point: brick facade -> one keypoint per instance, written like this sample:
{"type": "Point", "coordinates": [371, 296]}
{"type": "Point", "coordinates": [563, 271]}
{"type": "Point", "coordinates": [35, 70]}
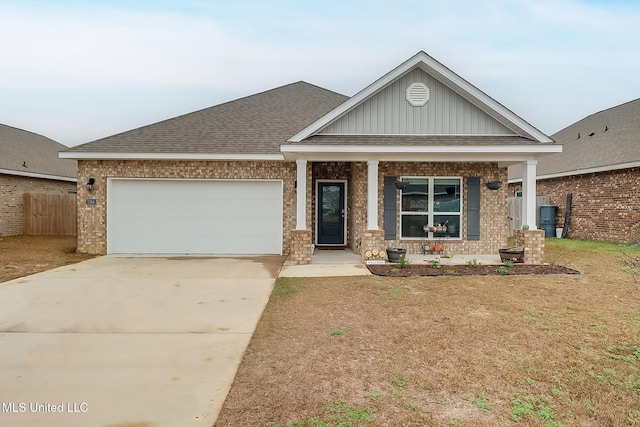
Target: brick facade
{"type": "Point", "coordinates": [493, 204]}
{"type": "Point", "coordinates": [92, 219]}
{"type": "Point", "coordinates": [533, 243]}
{"type": "Point", "coordinates": [493, 222]}
{"type": "Point", "coordinates": [301, 248]}
{"type": "Point", "coordinates": [605, 205]}
{"type": "Point", "coordinates": [358, 223]}
{"type": "Point", "coordinates": [12, 189]}
{"type": "Point", "coordinates": [372, 240]}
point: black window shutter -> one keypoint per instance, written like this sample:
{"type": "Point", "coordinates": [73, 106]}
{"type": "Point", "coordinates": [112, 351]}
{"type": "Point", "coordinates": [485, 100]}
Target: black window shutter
{"type": "Point", "coordinates": [473, 208]}
{"type": "Point", "coordinates": [390, 210]}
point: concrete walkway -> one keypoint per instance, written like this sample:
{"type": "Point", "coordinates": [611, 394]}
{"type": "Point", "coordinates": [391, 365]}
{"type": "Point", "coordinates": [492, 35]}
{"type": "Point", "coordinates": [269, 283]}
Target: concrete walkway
{"type": "Point", "coordinates": [119, 341]}
{"type": "Point", "coordinates": [328, 263]}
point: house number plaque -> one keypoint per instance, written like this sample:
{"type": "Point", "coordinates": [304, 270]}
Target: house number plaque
{"type": "Point", "coordinates": [91, 201]}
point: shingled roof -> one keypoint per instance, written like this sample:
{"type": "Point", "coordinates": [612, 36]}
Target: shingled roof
{"type": "Point", "coordinates": [256, 124]}
{"type": "Point", "coordinates": [606, 140]}
{"type": "Point", "coordinates": [29, 154]}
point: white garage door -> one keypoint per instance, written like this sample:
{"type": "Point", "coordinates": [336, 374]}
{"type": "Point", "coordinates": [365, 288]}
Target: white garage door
{"type": "Point", "coordinates": [194, 216]}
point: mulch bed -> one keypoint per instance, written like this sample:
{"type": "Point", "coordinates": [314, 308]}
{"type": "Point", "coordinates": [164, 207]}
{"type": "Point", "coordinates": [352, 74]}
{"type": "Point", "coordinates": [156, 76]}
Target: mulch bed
{"type": "Point", "coordinates": [464, 270]}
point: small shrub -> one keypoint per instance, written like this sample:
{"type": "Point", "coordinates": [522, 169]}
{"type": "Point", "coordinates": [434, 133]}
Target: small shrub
{"type": "Point", "coordinates": [502, 270]}
{"type": "Point", "coordinates": [403, 262]}
{"type": "Point", "coordinates": [508, 263]}
{"type": "Point", "coordinates": [473, 263]}
{"type": "Point", "coordinates": [434, 263]}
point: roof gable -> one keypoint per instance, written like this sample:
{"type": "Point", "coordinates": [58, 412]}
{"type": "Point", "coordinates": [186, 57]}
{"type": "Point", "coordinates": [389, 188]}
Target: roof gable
{"type": "Point", "coordinates": [470, 104]}
{"type": "Point", "coordinates": [388, 112]}
{"type": "Point", "coordinates": [26, 153]}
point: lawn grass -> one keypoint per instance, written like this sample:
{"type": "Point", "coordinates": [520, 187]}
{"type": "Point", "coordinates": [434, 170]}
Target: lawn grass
{"type": "Point", "coordinates": [553, 350]}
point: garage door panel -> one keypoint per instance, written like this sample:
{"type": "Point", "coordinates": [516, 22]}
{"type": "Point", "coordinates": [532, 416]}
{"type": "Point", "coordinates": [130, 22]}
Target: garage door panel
{"type": "Point", "coordinates": [197, 224]}
{"type": "Point", "coordinates": [182, 216]}
{"type": "Point", "coordinates": [197, 207]}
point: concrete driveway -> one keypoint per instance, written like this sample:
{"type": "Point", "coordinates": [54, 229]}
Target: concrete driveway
{"type": "Point", "coordinates": [128, 341]}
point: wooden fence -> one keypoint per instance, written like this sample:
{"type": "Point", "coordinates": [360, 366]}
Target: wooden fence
{"type": "Point", "coordinates": [514, 211]}
{"type": "Point", "coordinates": [50, 214]}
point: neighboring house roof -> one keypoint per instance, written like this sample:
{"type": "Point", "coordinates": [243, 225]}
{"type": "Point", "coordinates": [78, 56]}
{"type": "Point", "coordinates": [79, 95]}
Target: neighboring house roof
{"type": "Point", "coordinates": [419, 111]}
{"type": "Point", "coordinates": [25, 153]}
{"type": "Point", "coordinates": [254, 125]}
{"type": "Point", "coordinates": [607, 140]}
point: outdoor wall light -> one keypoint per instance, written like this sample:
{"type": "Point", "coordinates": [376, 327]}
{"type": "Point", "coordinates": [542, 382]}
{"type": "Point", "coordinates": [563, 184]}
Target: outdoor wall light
{"type": "Point", "coordinates": [401, 185]}
{"type": "Point", "coordinates": [494, 185]}
{"type": "Point", "coordinates": [90, 184]}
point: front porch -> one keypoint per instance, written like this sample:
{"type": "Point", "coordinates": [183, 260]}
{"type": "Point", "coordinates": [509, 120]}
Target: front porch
{"type": "Point", "coordinates": [356, 204]}
{"type": "Point", "coordinates": [531, 240]}
{"type": "Point", "coordinates": [344, 262]}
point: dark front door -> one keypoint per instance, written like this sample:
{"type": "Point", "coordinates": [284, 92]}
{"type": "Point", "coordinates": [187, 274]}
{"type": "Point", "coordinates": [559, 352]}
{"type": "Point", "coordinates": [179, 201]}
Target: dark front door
{"type": "Point", "coordinates": [331, 213]}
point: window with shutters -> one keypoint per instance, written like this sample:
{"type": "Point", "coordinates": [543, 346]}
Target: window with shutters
{"type": "Point", "coordinates": [431, 207]}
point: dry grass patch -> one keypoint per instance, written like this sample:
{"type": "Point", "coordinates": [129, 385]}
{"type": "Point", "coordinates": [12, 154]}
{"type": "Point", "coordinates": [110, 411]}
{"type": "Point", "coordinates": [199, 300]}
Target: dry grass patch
{"type": "Point", "coordinates": [472, 351]}
{"type": "Point", "coordinates": [23, 255]}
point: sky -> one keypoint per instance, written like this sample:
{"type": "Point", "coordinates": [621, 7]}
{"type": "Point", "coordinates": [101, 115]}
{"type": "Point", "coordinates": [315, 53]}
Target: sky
{"type": "Point", "coordinates": [80, 70]}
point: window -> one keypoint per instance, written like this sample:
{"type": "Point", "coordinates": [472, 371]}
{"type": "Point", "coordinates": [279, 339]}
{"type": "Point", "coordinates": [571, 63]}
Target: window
{"type": "Point", "coordinates": [431, 208]}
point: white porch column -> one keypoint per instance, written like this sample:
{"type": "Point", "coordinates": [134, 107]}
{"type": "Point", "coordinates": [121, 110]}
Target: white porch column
{"type": "Point", "coordinates": [301, 194]}
{"type": "Point", "coordinates": [529, 194]}
{"type": "Point", "coordinates": [372, 195]}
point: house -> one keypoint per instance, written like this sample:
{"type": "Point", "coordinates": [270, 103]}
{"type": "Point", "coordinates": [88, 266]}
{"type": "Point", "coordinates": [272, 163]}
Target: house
{"type": "Point", "coordinates": [600, 167]}
{"type": "Point", "coordinates": [298, 167]}
{"type": "Point", "coordinates": [29, 163]}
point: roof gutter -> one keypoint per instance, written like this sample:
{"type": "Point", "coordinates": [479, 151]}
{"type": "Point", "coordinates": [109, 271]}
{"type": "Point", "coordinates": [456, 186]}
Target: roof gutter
{"type": "Point", "coordinates": [166, 156]}
{"type": "Point", "coordinates": [38, 175]}
{"type": "Point", "coordinates": [582, 171]}
{"type": "Point", "coordinates": [440, 153]}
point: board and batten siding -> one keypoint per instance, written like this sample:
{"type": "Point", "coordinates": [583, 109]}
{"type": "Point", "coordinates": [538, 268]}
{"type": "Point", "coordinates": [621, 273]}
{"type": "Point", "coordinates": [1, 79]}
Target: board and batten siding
{"type": "Point", "coordinates": [388, 112]}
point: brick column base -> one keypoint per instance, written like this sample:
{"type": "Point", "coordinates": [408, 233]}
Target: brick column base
{"type": "Point", "coordinates": [300, 253]}
{"type": "Point", "coordinates": [372, 239]}
{"type": "Point", "coordinates": [533, 243]}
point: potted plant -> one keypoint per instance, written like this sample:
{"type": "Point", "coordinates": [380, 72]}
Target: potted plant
{"type": "Point", "coordinates": [394, 254]}
{"type": "Point", "coordinates": [514, 253]}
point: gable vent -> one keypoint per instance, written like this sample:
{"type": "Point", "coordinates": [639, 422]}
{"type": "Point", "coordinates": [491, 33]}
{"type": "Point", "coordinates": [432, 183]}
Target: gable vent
{"type": "Point", "coordinates": [417, 94]}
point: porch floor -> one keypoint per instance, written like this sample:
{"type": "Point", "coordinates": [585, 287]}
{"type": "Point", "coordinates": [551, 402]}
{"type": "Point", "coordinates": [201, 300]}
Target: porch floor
{"type": "Point", "coordinates": [335, 256]}
{"type": "Point", "coordinates": [343, 262]}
